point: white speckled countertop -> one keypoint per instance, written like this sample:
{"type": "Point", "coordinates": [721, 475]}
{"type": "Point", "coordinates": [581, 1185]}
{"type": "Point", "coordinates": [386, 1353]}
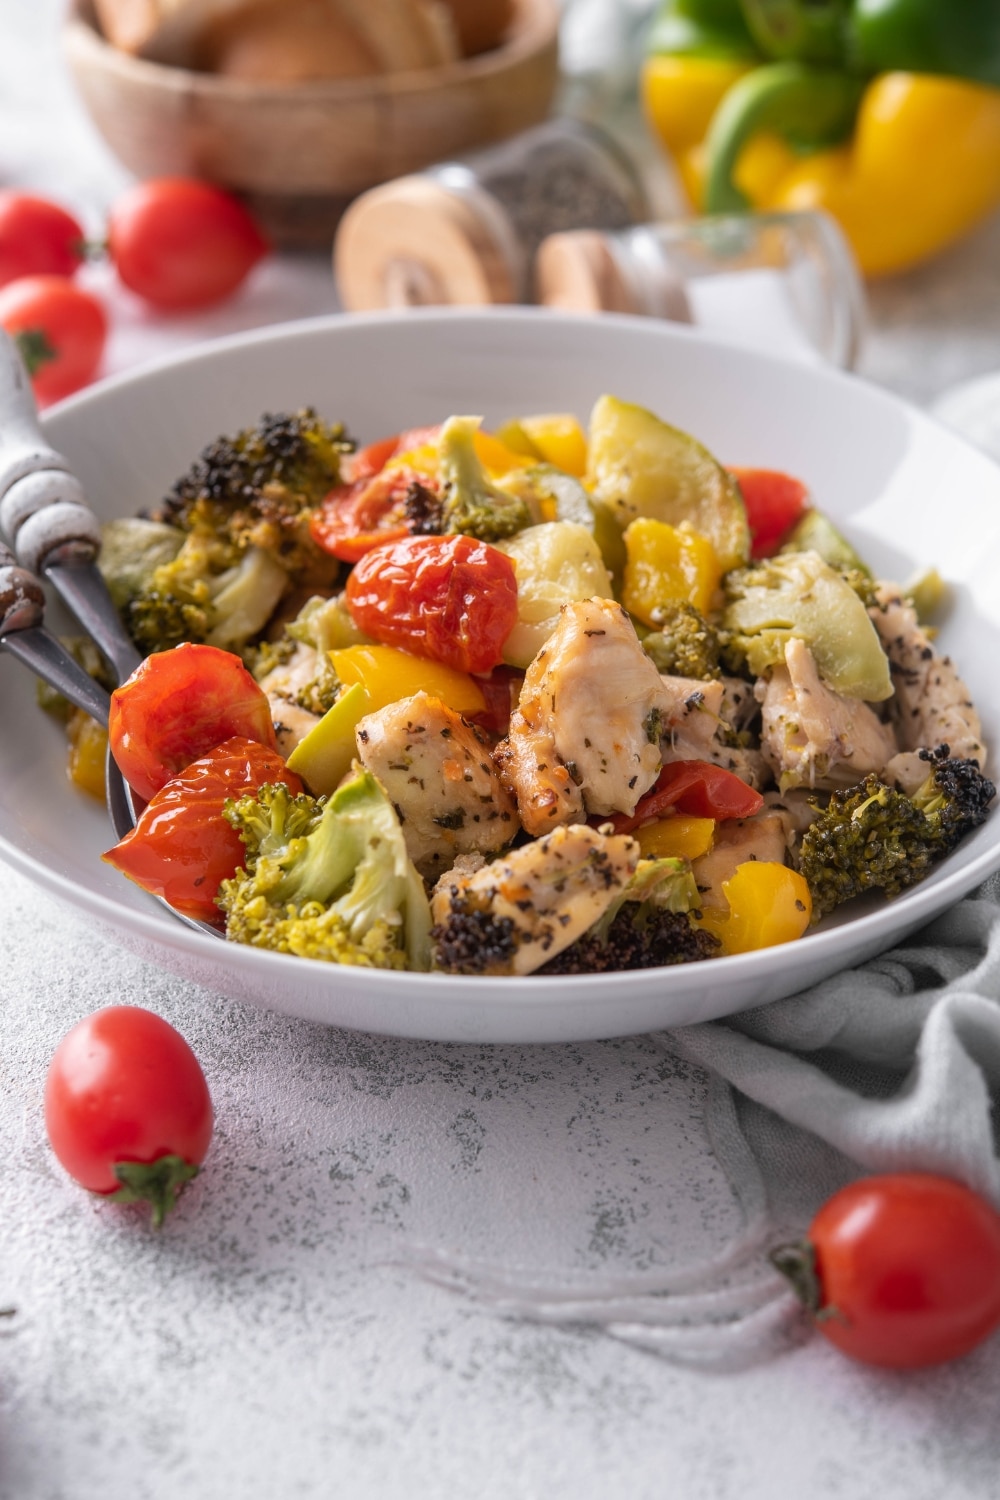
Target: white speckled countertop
{"type": "Point", "coordinates": [265, 1345]}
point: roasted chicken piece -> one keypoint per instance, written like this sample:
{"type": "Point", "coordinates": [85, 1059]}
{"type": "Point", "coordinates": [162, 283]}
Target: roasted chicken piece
{"type": "Point", "coordinates": [585, 736]}
{"type": "Point", "coordinates": [283, 686]}
{"type": "Point", "coordinates": [812, 736]}
{"type": "Point", "coordinates": [738, 840]}
{"type": "Point", "coordinates": [932, 705]}
{"type": "Point", "coordinates": [511, 916]}
{"type": "Point", "coordinates": [437, 771]}
{"type": "Point", "coordinates": [697, 725]}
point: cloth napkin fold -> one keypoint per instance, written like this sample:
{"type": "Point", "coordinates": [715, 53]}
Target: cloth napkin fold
{"type": "Point", "coordinates": [887, 1067]}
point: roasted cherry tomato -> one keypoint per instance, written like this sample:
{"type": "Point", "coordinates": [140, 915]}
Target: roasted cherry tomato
{"type": "Point", "coordinates": [127, 1108]}
{"type": "Point", "coordinates": [774, 502]}
{"type": "Point", "coordinates": [37, 238]}
{"type": "Point", "coordinates": [60, 330]}
{"type": "Point", "coordinates": [176, 706]}
{"type": "Point", "coordinates": [181, 847]}
{"type": "Point", "coordinates": [695, 787]}
{"type": "Point", "coordinates": [371, 507]}
{"type": "Point", "coordinates": [182, 244]}
{"type": "Point", "coordinates": [450, 598]}
{"type": "Point", "coordinates": [901, 1270]}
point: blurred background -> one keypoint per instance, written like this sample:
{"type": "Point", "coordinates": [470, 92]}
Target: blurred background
{"type": "Point", "coordinates": [80, 120]}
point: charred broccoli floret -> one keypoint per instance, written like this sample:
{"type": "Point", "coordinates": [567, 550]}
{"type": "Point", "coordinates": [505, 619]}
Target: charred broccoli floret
{"type": "Point", "coordinates": [684, 644]}
{"type": "Point", "coordinates": [327, 878]}
{"type": "Point", "coordinates": [646, 927]}
{"type": "Point", "coordinates": [257, 489]}
{"type": "Point", "coordinates": [872, 837]}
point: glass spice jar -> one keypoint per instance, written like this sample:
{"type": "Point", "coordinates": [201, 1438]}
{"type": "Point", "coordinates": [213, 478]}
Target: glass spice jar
{"type": "Point", "coordinates": [466, 231]}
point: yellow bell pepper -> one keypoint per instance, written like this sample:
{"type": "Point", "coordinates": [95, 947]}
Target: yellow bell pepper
{"type": "Point", "coordinates": [768, 904]}
{"type": "Point", "coordinates": [919, 169]}
{"type": "Point", "coordinates": [677, 837]}
{"type": "Point", "coordinates": [667, 564]}
{"type": "Point", "coordinates": [388, 675]}
{"type": "Point", "coordinates": [88, 752]}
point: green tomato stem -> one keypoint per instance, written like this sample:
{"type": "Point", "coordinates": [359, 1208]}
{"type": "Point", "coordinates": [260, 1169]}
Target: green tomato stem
{"type": "Point", "coordinates": [157, 1183]}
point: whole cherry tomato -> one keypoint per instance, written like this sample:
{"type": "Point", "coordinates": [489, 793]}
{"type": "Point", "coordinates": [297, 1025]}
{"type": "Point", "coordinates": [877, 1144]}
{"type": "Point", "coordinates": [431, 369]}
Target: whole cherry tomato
{"type": "Point", "coordinates": [179, 704]}
{"type": "Point", "coordinates": [127, 1108]}
{"type": "Point", "coordinates": [774, 502]}
{"type": "Point", "coordinates": [450, 598]}
{"type": "Point", "coordinates": [901, 1271]}
{"type": "Point", "coordinates": [37, 238]}
{"type": "Point", "coordinates": [695, 787]}
{"type": "Point", "coordinates": [181, 847]}
{"type": "Point", "coordinates": [60, 330]}
{"type": "Point", "coordinates": [182, 244]}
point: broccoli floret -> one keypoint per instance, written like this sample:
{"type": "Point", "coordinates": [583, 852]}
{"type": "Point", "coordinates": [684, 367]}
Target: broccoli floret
{"type": "Point", "coordinates": [469, 501]}
{"type": "Point", "coordinates": [208, 592]}
{"type": "Point", "coordinates": [257, 489]}
{"type": "Point", "coordinates": [684, 643]}
{"type": "Point", "coordinates": [872, 837]}
{"type": "Point", "coordinates": [647, 927]}
{"type": "Point", "coordinates": [327, 878]}
{"type": "Point", "coordinates": [158, 621]}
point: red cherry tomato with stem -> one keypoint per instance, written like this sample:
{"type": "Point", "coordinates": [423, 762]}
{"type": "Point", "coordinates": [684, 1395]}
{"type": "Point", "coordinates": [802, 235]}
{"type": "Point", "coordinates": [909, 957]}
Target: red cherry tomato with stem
{"type": "Point", "coordinates": [127, 1108]}
{"type": "Point", "coordinates": [181, 847]}
{"type": "Point", "coordinates": [60, 330]}
{"type": "Point", "coordinates": [901, 1270]}
{"type": "Point", "coordinates": [37, 238]}
{"type": "Point", "coordinates": [449, 598]}
{"type": "Point", "coordinates": [179, 704]}
{"type": "Point", "coordinates": [182, 244]}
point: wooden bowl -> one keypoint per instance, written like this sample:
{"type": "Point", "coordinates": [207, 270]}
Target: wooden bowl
{"type": "Point", "coordinates": [299, 153]}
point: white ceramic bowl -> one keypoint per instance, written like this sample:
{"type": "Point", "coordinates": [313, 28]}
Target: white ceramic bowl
{"type": "Point", "coordinates": [905, 490]}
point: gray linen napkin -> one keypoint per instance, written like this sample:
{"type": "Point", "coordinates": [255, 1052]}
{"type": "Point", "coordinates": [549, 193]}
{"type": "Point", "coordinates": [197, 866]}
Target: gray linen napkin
{"type": "Point", "coordinates": [887, 1067]}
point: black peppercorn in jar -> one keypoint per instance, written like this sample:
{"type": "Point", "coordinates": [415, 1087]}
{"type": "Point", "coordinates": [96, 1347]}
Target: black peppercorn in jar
{"type": "Point", "coordinates": [467, 231]}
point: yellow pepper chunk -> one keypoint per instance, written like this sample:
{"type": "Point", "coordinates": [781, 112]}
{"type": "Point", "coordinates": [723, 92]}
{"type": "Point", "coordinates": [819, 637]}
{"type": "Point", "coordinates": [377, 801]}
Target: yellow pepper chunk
{"type": "Point", "coordinates": [679, 97]}
{"type": "Point", "coordinates": [559, 439]}
{"type": "Point", "coordinates": [678, 837]}
{"type": "Point", "coordinates": [388, 675]}
{"type": "Point", "coordinates": [88, 750]}
{"type": "Point", "coordinates": [768, 904]}
{"type": "Point", "coordinates": [667, 565]}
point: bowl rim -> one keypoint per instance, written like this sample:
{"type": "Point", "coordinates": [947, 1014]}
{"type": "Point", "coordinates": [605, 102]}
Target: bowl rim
{"type": "Point", "coordinates": [534, 32]}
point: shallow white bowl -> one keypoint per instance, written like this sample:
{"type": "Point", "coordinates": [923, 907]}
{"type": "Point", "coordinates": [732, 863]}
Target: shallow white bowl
{"type": "Point", "coordinates": [906, 491]}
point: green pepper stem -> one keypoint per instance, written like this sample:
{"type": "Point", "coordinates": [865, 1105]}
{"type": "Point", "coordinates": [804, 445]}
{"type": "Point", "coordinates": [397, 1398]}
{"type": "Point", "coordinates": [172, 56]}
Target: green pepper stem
{"type": "Point", "coordinates": [806, 30]}
{"type": "Point", "coordinates": [811, 107]}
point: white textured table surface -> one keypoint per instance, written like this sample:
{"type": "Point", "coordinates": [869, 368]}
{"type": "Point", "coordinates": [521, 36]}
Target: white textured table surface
{"type": "Point", "coordinates": [264, 1344]}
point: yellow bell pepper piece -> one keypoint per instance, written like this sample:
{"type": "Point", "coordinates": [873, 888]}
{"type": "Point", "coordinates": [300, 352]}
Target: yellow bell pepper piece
{"type": "Point", "coordinates": [678, 837]}
{"type": "Point", "coordinates": [922, 169]}
{"type": "Point", "coordinates": [88, 751]}
{"type": "Point", "coordinates": [679, 97]}
{"type": "Point", "coordinates": [388, 675]}
{"type": "Point", "coordinates": [560, 440]}
{"type": "Point", "coordinates": [667, 564]}
{"type": "Point", "coordinates": [768, 904]}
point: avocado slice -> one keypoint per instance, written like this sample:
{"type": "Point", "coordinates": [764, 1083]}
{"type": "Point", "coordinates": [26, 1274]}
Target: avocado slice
{"type": "Point", "coordinates": [798, 594]}
{"type": "Point", "coordinates": [640, 466]}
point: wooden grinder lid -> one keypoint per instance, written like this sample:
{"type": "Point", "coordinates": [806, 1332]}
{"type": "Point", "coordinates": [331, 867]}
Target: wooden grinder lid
{"type": "Point", "coordinates": [415, 243]}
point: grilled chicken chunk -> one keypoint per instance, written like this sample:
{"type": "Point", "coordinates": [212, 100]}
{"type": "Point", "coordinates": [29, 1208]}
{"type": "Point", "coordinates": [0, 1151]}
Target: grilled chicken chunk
{"type": "Point", "coordinates": [698, 725]}
{"type": "Point", "coordinates": [283, 684]}
{"type": "Point", "coordinates": [932, 705]}
{"type": "Point", "coordinates": [738, 840]}
{"type": "Point", "coordinates": [810, 735]}
{"type": "Point", "coordinates": [438, 773]}
{"type": "Point", "coordinates": [511, 916]}
{"type": "Point", "coordinates": [585, 736]}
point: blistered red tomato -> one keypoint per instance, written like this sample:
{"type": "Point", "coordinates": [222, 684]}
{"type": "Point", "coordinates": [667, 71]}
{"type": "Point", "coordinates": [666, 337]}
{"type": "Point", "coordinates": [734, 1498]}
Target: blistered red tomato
{"type": "Point", "coordinates": [182, 244]}
{"type": "Point", "coordinates": [60, 330]}
{"type": "Point", "coordinates": [775, 502]}
{"type": "Point", "coordinates": [695, 787]}
{"type": "Point", "coordinates": [37, 238]}
{"type": "Point", "coordinates": [371, 507]}
{"type": "Point", "coordinates": [179, 704]}
{"type": "Point", "coordinates": [127, 1108]}
{"type": "Point", "coordinates": [181, 847]}
{"type": "Point", "coordinates": [901, 1270]}
{"type": "Point", "coordinates": [450, 598]}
